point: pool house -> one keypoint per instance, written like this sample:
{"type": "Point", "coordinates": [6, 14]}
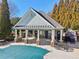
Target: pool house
{"type": "Point", "coordinates": [36, 25]}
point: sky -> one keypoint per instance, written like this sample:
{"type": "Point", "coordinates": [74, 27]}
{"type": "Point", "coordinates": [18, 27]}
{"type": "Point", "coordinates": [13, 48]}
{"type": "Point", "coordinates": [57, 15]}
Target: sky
{"type": "Point", "coordinates": [40, 5]}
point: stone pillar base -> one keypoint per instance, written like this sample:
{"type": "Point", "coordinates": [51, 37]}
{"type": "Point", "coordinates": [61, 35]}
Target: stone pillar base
{"type": "Point", "coordinates": [37, 42]}
{"type": "Point", "coordinates": [61, 41]}
{"type": "Point", "coordinates": [26, 41]}
{"type": "Point", "coordinates": [15, 39]}
{"type": "Point", "coordinates": [52, 44]}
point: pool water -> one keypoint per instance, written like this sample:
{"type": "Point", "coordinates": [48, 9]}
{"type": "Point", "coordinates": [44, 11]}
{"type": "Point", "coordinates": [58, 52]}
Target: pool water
{"type": "Point", "coordinates": [22, 52]}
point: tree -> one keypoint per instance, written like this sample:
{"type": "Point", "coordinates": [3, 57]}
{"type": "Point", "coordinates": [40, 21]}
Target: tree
{"type": "Point", "coordinates": [13, 9]}
{"type": "Point", "coordinates": [5, 25]}
{"type": "Point", "coordinates": [14, 20]}
{"type": "Point", "coordinates": [67, 14]}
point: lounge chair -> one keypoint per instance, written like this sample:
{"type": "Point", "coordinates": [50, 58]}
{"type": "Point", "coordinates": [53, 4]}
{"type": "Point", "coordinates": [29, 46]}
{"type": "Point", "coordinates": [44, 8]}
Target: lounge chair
{"type": "Point", "coordinates": [3, 42]}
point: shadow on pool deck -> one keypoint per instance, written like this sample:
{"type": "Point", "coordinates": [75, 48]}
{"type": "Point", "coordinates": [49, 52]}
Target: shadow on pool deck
{"type": "Point", "coordinates": [67, 46]}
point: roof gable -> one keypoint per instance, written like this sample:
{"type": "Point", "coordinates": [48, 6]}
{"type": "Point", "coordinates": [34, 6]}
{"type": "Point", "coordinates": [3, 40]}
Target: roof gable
{"type": "Point", "coordinates": [35, 20]}
{"type": "Point", "coordinates": [50, 20]}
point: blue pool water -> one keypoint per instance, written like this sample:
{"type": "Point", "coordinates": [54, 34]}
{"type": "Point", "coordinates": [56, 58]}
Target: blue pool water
{"type": "Point", "coordinates": [22, 52]}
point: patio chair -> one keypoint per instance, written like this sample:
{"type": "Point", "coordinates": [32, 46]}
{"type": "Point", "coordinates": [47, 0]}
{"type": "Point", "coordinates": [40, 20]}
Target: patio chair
{"type": "Point", "coordinates": [30, 39]}
{"type": "Point", "coordinates": [3, 42]}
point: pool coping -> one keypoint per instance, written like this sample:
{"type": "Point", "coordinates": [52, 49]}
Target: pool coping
{"type": "Point", "coordinates": [41, 46]}
{"type": "Point", "coordinates": [53, 53]}
{"type": "Point", "coordinates": [46, 47]}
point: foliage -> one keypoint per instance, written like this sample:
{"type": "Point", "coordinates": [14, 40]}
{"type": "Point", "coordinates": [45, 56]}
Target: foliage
{"type": "Point", "coordinates": [14, 20]}
{"type": "Point", "coordinates": [67, 14]}
{"type": "Point", "coordinates": [5, 25]}
{"type": "Point", "coordinates": [13, 9]}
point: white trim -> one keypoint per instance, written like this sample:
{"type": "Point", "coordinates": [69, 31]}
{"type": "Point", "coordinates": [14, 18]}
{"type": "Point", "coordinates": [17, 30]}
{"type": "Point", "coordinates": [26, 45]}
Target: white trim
{"type": "Point", "coordinates": [26, 35]}
{"type": "Point", "coordinates": [38, 35]}
{"type": "Point", "coordinates": [20, 33]}
{"type": "Point", "coordinates": [15, 35]}
{"type": "Point", "coordinates": [61, 35]}
{"type": "Point", "coordinates": [53, 36]}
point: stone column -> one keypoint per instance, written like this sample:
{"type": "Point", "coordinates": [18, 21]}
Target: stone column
{"type": "Point", "coordinates": [20, 33]}
{"type": "Point", "coordinates": [16, 36]}
{"type": "Point", "coordinates": [26, 35]}
{"type": "Point", "coordinates": [61, 35]}
{"type": "Point", "coordinates": [33, 32]}
{"type": "Point", "coordinates": [52, 38]}
{"type": "Point", "coordinates": [37, 41]}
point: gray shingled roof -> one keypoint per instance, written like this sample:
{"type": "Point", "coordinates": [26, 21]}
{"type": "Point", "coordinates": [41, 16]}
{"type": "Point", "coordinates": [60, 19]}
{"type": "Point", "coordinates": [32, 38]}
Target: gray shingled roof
{"type": "Point", "coordinates": [37, 20]}
{"type": "Point", "coordinates": [50, 20]}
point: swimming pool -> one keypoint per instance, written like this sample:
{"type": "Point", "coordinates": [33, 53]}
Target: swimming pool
{"type": "Point", "coordinates": [22, 52]}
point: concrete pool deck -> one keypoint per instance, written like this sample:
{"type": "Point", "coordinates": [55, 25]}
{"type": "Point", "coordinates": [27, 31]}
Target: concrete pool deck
{"type": "Point", "coordinates": [53, 54]}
